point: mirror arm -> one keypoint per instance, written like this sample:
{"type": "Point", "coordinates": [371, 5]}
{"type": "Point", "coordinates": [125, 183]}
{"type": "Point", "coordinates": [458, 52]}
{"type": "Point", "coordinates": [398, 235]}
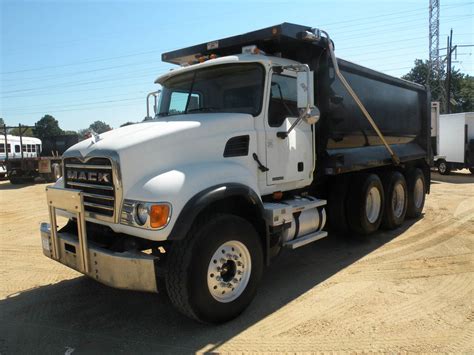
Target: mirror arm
{"type": "Point", "coordinates": [283, 135]}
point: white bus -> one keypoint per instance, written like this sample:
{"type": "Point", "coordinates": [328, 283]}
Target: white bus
{"type": "Point", "coordinates": [30, 146]}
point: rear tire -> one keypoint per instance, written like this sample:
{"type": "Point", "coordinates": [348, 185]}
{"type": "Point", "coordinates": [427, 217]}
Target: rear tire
{"type": "Point", "coordinates": [416, 185]}
{"type": "Point", "coordinates": [365, 204]}
{"type": "Point", "coordinates": [443, 167]}
{"type": "Point", "coordinates": [396, 200]}
{"type": "Point", "coordinates": [194, 285]}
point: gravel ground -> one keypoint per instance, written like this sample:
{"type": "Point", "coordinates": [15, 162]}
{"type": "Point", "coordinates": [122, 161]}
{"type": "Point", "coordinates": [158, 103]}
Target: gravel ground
{"type": "Point", "coordinates": [405, 290]}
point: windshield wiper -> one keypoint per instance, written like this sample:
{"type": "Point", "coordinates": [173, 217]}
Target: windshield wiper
{"type": "Point", "coordinates": [203, 109]}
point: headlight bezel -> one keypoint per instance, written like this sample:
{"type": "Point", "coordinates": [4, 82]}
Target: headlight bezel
{"type": "Point", "coordinates": [130, 216]}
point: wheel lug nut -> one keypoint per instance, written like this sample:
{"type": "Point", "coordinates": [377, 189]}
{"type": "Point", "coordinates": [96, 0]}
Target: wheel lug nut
{"type": "Point", "coordinates": [239, 272]}
{"type": "Point", "coordinates": [218, 278]}
{"type": "Point", "coordinates": [234, 280]}
{"type": "Point", "coordinates": [235, 257]}
{"type": "Point", "coordinates": [223, 261]}
{"type": "Point", "coordinates": [239, 263]}
{"type": "Point", "coordinates": [223, 284]}
{"type": "Point", "coordinates": [229, 285]}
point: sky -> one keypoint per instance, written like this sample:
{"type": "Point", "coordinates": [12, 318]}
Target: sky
{"type": "Point", "coordinates": [83, 61]}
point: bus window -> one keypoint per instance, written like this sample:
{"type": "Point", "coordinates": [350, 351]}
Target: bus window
{"type": "Point", "coordinates": [33, 148]}
{"type": "Point", "coordinates": [28, 148]}
{"type": "Point", "coordinates": [23, 147]}
{"type": "Point", "coordinates": [17, 148]}
{"type": "Point", "coordinates": [9, 148]}
{"type": "Point", "coordinates": [2, 148]}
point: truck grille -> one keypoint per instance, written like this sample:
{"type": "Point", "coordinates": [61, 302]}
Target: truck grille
{"type": "Point", "coordinates": [95, 178]}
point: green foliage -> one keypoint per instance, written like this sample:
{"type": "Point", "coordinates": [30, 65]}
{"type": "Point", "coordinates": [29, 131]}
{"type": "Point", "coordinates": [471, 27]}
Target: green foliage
{"type": "Point", "coordinates": [25, 133]}
{"type": "Point", "coordinates": [46, 127]}
{"type": "Point", "coordinates": [100, 127]}
{"type": "Point", "coordinates": [465, 95]}
{"type": "Point", "coordinates": [462, 90]}
{"type": "Point", "coordinates": [2, 122]}
{"type": "Point", "coordinates": [82, 132]}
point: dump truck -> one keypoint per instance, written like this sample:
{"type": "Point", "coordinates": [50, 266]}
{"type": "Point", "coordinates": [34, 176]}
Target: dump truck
{"type": "Point", "coordinates": [257, 144]}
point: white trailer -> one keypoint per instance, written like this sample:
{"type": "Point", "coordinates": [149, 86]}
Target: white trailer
{"type": "Point", "coordinates": [455, 140]}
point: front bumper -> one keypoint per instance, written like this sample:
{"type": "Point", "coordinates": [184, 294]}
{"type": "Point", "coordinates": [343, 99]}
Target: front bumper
{"type": "Point", "coordinates": [132, 270]}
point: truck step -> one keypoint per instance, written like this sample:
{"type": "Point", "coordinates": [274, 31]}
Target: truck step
{"type": "Point", "coordinates": [302, 241]}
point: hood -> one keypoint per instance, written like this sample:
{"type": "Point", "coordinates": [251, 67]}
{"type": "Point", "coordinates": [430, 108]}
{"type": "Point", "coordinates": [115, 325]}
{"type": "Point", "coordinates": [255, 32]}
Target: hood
{"type": "Point", "coordinates": [146, 148]}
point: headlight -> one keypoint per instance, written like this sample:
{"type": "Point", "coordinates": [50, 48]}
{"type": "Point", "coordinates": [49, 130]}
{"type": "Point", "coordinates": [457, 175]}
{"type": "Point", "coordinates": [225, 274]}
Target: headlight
{"type": "Point", "coordinates": [147, 215]}
{"type": "Point", "coordinates": [142, 214]}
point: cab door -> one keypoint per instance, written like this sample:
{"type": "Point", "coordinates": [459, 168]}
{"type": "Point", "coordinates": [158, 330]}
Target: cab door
{"type": "Point", "coordinates": [290, 159]}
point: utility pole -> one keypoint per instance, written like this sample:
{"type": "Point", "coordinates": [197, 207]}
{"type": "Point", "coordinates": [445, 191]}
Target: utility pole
{"type": "Point", "coordinates": [448, 71]}
{"type": "Point", "coordinates": [434, 64]}
{"type": "Point", "coordinates": [449, 52]}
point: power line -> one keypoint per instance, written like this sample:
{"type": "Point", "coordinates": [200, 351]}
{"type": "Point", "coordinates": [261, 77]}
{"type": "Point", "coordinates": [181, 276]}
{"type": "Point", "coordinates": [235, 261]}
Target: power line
{"type": "Point", "coordinates": [78, 109]}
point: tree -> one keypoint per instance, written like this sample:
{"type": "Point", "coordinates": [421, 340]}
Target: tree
{"type": "Point", "coordinates": [25, 133]}
{"type": "Point", "coordinates": [2, 122]}
{"type": "Point", "coordinates": [463, 93]}
{"type": "Point", "coordinates": [461, 86]}
{"type": "Point", "coordinates": [46, 127]}
{"type": "Point", "coordinates": [100, 127]}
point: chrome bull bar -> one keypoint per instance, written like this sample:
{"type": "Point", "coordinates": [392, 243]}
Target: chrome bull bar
{"type": "Point", "coordinates": [131, 270]}
{"type": "Point", "coordinates": [71, 201]}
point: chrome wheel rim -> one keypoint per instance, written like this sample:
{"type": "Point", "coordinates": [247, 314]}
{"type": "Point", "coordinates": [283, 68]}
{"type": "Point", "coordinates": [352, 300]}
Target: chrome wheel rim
{"type": "Point", "coordinates": [418, 192]}
{"type": "Point", "coordinates": [398, 200]}
{"type": "Point", "coordinates": [229, 271]}
{"type": "Point", "coordinates": [373, 204]}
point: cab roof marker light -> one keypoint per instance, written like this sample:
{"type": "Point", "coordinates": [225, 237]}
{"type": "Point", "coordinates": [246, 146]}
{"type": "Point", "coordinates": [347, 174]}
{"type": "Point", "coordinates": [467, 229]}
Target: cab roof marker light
{"type": "Point", "coordinates": [252, 49]}
{"type": "Point", "coordinates": [311, 36]}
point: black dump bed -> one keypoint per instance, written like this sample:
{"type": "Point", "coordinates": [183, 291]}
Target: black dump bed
{"type": "Point", "coordinates": [345, 139]}
{"type": "Point", "coordinates": [57, 145]}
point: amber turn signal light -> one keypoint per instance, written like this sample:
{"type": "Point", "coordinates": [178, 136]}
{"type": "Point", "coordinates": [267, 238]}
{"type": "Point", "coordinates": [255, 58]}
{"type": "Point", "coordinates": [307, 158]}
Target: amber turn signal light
{"type": "Point", "coordinates": [159, 215]}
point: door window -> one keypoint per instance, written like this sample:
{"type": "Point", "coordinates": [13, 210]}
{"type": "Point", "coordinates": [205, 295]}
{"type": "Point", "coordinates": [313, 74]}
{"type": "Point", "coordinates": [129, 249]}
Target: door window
{"type": "Point", "coordinates": [17, 148]}
{"type": "Point", "coordinates": [283, 100]}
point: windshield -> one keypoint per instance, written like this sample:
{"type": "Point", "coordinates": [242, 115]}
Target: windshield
{"type": "Point", "coordinates": [224, 88]}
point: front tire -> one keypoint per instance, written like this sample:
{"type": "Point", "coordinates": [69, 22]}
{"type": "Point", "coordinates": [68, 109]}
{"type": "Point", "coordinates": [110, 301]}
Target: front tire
{"type": "Point", "coordinates": [214, 272]}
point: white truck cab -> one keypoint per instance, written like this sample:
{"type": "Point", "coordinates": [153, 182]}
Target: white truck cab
{"type": "Point", "coordinates": [200, 196]}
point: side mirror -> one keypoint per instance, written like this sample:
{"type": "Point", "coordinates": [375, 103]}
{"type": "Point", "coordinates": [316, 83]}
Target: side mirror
{"type": "Point", "coordinates": [305, 89]}
{"type": "Point", "coordinates": [155, 106]}
{"type": "Point", "coordinates": [311, 116]}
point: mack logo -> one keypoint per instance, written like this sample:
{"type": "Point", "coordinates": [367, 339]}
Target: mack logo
{"type": "Point", "coordinates": [88, 176]}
